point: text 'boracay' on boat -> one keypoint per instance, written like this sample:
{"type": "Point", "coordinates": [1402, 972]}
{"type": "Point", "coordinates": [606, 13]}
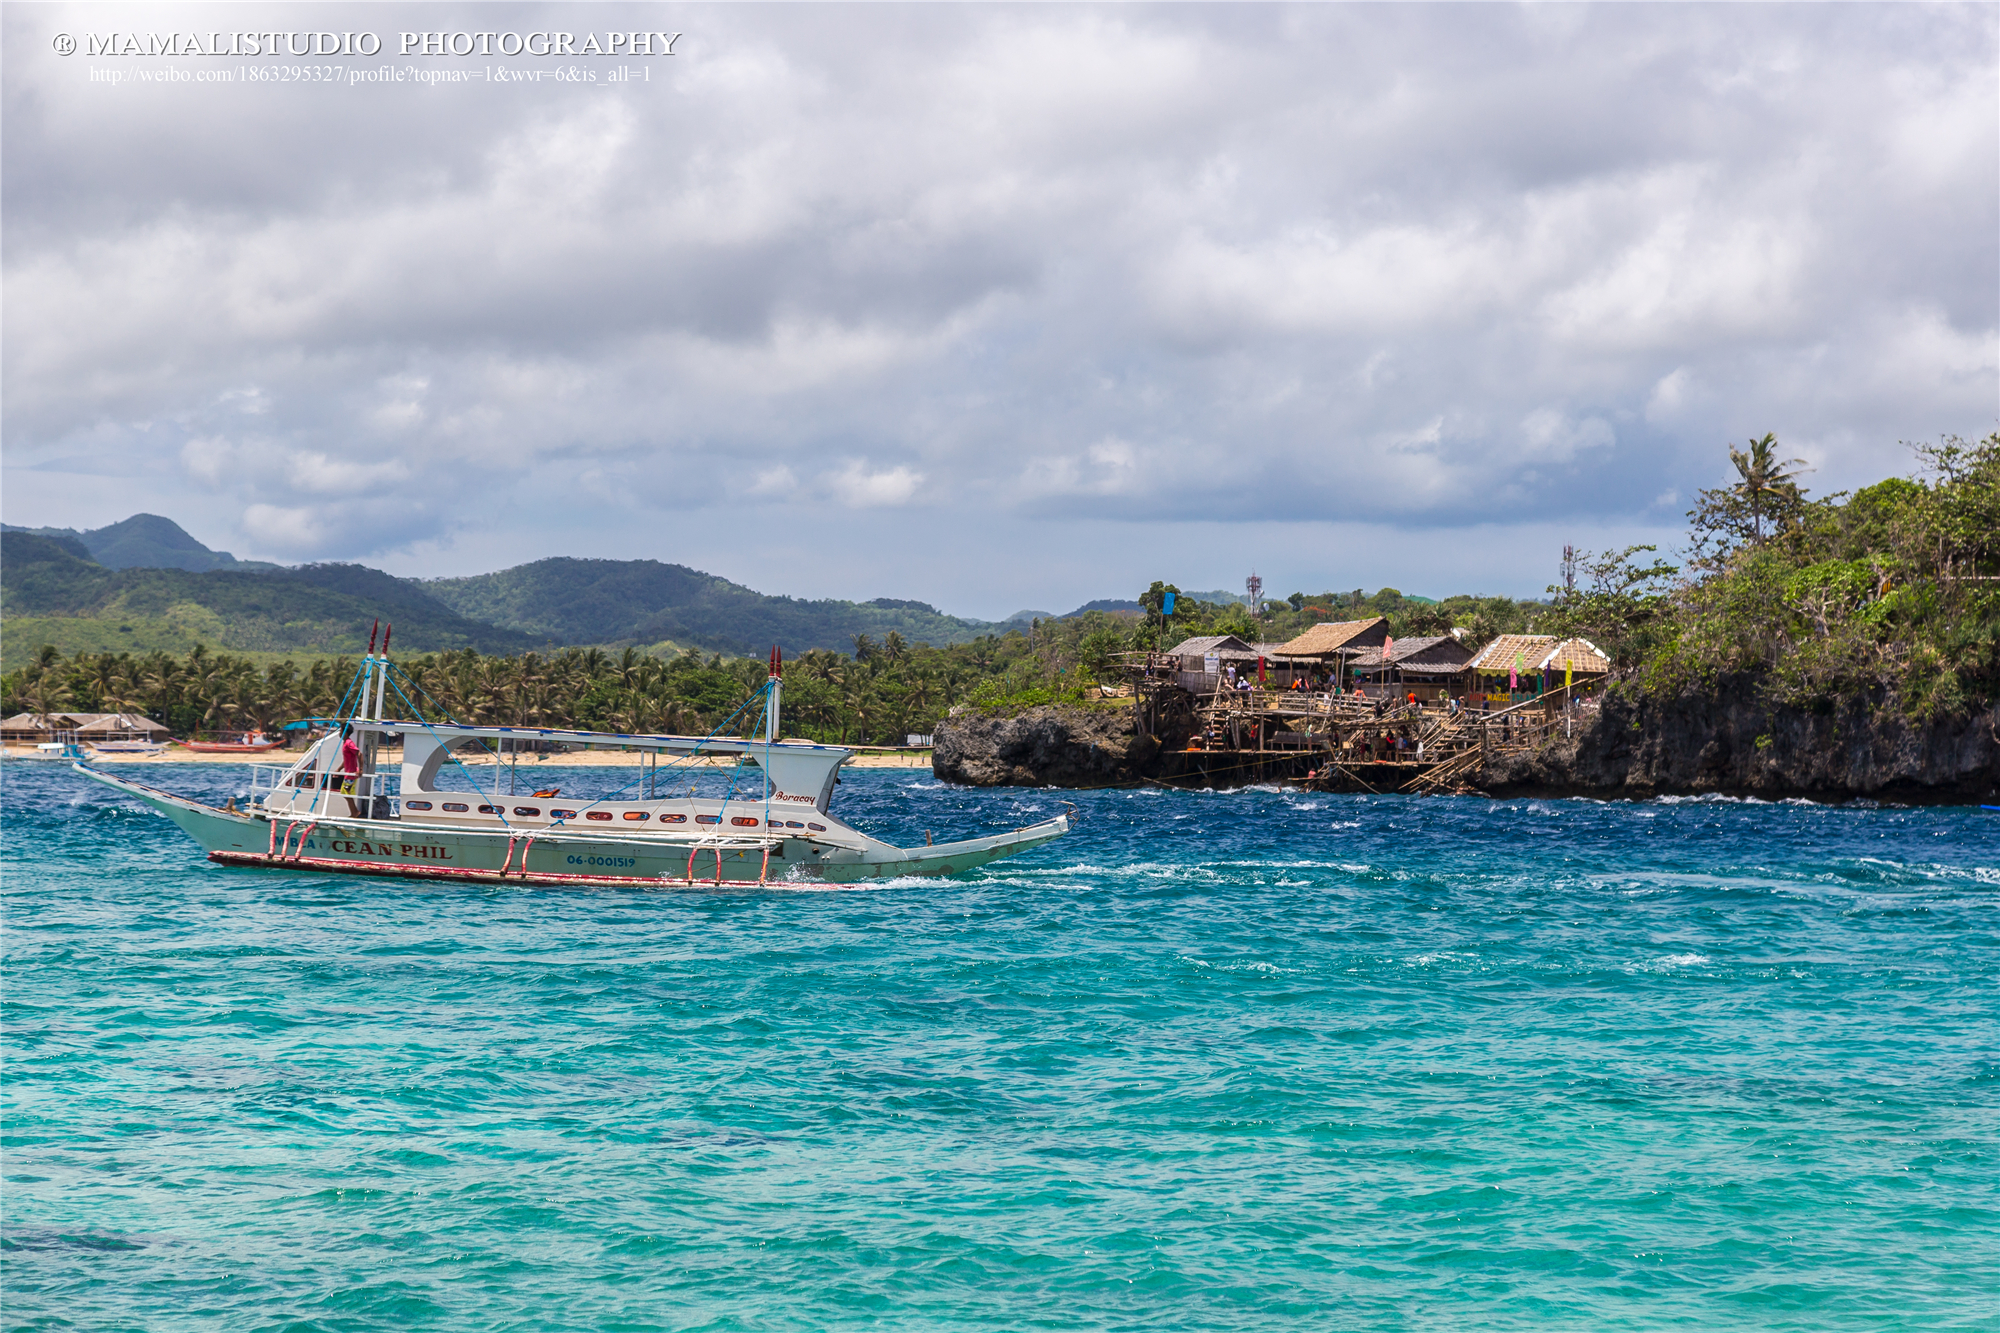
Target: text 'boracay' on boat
{"type": "Point", "coordinates": [336, 809]}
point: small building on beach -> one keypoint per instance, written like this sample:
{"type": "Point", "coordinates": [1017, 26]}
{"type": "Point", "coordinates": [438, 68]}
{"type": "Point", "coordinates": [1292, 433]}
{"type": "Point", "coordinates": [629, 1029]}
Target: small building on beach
{"type": "Point", "coordinates": [1328, 647]}
{"type": "Point", "coordinates": [1521, 666]}
{"type": "Point", "coordinates": [1503, 670]}
{"type": "Point", "coordinates": [1199, 663]}
{"type": "Point", "coordinates": [35, 728]}
{"type": "Point", "coordinates": [1429, 667]}
{"type": "Point", "coordinates": [1579, 661]}
{"type": "Point", "coordinates": [121, 727]}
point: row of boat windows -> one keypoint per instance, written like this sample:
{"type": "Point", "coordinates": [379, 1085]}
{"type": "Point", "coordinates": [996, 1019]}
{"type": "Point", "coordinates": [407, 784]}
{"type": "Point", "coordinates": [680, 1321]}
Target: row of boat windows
{"type": "Point", "coordinates": [535, 812]}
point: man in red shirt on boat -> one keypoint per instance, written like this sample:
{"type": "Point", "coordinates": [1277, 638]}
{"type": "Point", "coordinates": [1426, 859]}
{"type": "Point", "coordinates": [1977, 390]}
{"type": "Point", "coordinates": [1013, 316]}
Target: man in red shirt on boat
{"type": "Point", "coordinates": [350, 771]}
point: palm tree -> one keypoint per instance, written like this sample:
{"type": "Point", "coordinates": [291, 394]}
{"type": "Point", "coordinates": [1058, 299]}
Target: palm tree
{"type": "Point", "coordinates": [47, 693]}
{"type": "Point", "coordinates": [1763, 474]}
{"type": "Point", "coordinates": [631, 669]}
{"type": "Point", "coordinates": [860, 705]}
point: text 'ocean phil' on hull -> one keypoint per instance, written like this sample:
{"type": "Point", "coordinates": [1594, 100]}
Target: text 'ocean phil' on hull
{"type": "Point", "coordinates": [341, 807]}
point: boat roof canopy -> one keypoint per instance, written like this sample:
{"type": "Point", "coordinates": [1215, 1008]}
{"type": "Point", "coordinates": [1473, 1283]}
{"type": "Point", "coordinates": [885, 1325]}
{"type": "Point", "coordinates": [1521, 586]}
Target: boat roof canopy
{"type": "Point", "coordinates": [615, 740]}
{"type": "Point", "coordinates": [797, 770]}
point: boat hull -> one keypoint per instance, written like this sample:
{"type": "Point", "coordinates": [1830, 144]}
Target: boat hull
{"type": "Point", "coordinates": [407, 850]}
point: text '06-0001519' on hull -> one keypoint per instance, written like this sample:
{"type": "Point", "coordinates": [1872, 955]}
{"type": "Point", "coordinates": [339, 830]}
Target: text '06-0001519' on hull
{"type": "Point", "coordinates": [693, 811]}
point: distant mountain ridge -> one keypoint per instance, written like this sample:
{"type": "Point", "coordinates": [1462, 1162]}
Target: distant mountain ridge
{"type": "Point", "coordinates": [646, 601]}
{"type": "Point", "coordinates": [143, 541]}
{"type": "Point", "coordinates": [145, 584]}
{"type": "Point", "coordinates": [50, 595]}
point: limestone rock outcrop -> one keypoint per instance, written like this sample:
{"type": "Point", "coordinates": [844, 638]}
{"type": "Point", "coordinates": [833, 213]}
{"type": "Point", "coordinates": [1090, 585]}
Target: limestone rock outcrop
{"type": "Point", "coordinates": [1042, 747]}
{"type": "Point", "coordinates": [1728, 741]}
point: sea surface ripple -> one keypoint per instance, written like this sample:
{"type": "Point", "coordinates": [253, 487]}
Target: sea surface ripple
{"type": "Point", "coordinates": [1222, 1060]}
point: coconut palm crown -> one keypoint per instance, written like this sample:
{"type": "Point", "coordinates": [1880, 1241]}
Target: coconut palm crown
{"type": "Point", "coordinates": [1764, 474]}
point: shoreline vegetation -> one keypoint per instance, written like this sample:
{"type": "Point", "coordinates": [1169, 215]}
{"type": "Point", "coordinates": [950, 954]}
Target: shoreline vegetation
{"type": "Point", "coordinates": [905, 757]}
{"type": "Point", "coordinates": [1886, 600]}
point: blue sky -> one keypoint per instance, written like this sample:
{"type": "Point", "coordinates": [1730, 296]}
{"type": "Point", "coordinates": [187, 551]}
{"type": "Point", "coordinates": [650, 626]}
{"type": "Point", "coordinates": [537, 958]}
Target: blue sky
{"type": "Point", "coordinates": [997, 306]}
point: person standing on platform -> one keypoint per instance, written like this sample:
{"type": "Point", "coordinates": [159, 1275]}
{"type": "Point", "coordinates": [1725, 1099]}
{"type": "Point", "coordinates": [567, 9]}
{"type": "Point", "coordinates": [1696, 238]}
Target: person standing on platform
{"type": "Point", "coordinates": [350, 771]}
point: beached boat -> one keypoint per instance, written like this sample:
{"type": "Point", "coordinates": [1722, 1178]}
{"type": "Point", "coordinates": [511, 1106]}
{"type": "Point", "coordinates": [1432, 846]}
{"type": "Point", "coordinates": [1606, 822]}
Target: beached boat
{"type": "Point", "coordinates": [693, 811]}
{"type": "Point", "coordinates": [127, 747]}
{"type": "Point", "coordinates": [254, 743]}
{"type": "Point", "coordinates": [65, 747]}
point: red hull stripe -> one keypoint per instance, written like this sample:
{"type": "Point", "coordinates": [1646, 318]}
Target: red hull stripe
{"type": "Point", "coordinates": [398, 870]}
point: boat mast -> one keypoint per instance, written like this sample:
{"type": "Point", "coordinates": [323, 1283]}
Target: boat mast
{"type": "Point", "coordinates": [771, 704]}
{"type": "Point", "coordinates": [374, 672]}
{"type": "Point", "coordinates": [382, 675]}
{"type": "Point", "coordinates": [777, 687]}
{"type": "Point", "coordinates": [367, 674]}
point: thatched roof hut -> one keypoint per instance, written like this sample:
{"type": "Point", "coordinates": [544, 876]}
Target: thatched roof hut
{"type": "Point", "coordinates": [1580, 657]}
{"type": "Point", "coordinates": [1225, 646]}
{"type": "Point", "coordinates": [1512, 652]}
{"type": "Point", "coordinates": [1338, 638]}
{"type": "Point", "coordinates": [120, 727]}
{"type": "Point", "coordinates": [1435, 658]}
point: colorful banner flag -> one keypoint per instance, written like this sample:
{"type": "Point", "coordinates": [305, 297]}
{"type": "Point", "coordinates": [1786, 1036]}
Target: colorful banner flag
{"type": "Point", "coordinates": [1514, 676]}
{"type": "Point", "coordinates": [1167, 607]}
{"type": "Point", "coordinates": [1260, 671]}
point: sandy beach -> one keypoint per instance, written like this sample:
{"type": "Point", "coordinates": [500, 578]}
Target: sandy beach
{"type": "Point", "coordinates": [174, 754]}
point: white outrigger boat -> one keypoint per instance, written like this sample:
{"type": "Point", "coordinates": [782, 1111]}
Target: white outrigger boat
{"type": "Point", "coordinates": [770, 826]}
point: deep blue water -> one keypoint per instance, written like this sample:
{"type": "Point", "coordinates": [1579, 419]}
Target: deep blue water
{"type": "Point", "coordinates": [1245, 1060]}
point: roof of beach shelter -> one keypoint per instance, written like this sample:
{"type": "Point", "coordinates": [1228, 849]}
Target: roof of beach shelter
{"type": "Point", "coordinates": [1438, 653]}
{"type": "Point", "coordinates": [1575, 655]}
{"type": "Point", "coordinates": [1221, 645]}
{"type": "Point", "coordinates": [1414, 668]}
{"type": "Point", "coordinates": [1501, 654]}
{"type": "Point", "coordinates": [41, 721]}
{"type": "Point", "coordinates": [1329, 637]}
{"type": "Point", "coordinates": [106, 722]}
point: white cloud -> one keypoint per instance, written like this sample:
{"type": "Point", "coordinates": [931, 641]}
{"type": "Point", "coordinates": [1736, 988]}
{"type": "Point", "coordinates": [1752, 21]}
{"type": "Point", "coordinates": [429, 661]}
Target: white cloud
{"type": "Point", "coordinates": [860, 488]}
{"type": "Point", "coordinates": [286, 529]}
{"type": "Point", "coordinates": [1009, 266]}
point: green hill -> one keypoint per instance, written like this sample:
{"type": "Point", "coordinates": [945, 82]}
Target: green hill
{"type": "Point", "coordinates": [645, 601]}
{"type": "Point", "coordinates": [144, 541]}
{"type": "Point", "coordinates": [49, 595]}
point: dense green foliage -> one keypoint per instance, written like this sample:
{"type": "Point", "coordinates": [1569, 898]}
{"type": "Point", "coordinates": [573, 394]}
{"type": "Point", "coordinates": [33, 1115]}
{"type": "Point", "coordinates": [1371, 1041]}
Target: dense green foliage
{"type": "Point", "coordinates": [1891, 593]}
{"type": "Point", "coordinates": [876, 696]}
{"type": "Point", "coordinates": [619, 602]}
{"type": "Point", "coordinates": [880, 692]}
{"type": "Point", "coordinates": [1286, 618]}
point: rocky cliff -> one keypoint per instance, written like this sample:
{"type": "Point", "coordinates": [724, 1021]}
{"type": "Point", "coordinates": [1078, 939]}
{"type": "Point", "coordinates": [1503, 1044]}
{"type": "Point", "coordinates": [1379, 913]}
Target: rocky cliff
{"type": "Point", "coordinates": [1727, 741]}
{"type": "Point", "coordinates": [1043, 747]}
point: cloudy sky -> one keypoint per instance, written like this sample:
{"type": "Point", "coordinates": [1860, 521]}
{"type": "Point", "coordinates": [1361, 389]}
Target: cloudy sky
{"type": "Point", "coordinates": [993, 306]}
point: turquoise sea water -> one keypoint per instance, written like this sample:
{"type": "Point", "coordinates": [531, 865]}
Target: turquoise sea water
{"type": "Point", "coordinates": [1243, 1060]}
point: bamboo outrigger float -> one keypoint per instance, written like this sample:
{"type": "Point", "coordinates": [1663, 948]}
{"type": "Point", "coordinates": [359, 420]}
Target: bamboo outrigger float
{"type": "Point", "coordinates": [770, 826]}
